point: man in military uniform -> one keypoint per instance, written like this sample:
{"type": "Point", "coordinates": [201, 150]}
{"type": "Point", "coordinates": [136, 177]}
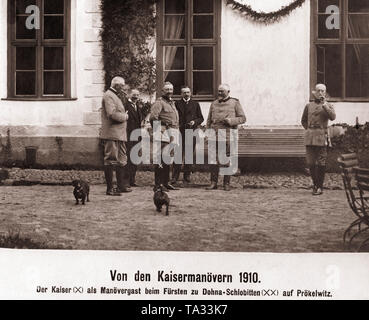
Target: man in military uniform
{"type": "Point", "coordinates": [190, 117]}
{"type": "Point", "coordinates": [135, 119]}
{"type": "Point", "coordinates": [224, 113]}
{"type": "Point", "coordinates": [315, 121]}
{"type": "Point", "coordinates": [165, 111]}
{"type": "Point", "coordinates": [114, 136]}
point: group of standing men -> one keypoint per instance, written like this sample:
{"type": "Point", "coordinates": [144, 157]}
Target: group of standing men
{"type": "Point", "coordinates": [121, 114]}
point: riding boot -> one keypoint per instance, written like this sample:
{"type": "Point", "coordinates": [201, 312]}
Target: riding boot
{"type": "Point", "coordinates": [214, 178]}
{"type": "Point", "coordinates": [187, 173]}
{"type": "Point", "coordinates": [214, 174]}
{"type": "Point", "coordinates": [226, 183]}
{"type": "Point", "coordinates": [165, 174]}
{"type": "Point", "coordinates": [176, 172]}
{"type": "Point", "coordinates": [123, 179]}
{"type": "Point", "coordinates": [132, 174]}
{"type": "Point", "coordinates": [320, 176]}
{"type": "Point", "coordinates": [226, 180]}
{"type": "Point", "coordinates": [313, 174]}
{"type": "Point", "coordinates": [158, 175]}
{"type": "Point", "coordinates": [108, 171]}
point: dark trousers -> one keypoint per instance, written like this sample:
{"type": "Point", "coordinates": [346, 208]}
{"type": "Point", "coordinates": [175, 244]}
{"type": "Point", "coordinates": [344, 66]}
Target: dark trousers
{"type": "Point", "coordinates": [215, 168]}
{"type": "Point", "coordinates": [214, 175]}
{"type": "Point", "coordinates": [187, 168]}
{"type": "Point", "coordinates": [162, 170]}
{"type": "Point", "coordinates": [316, 157]}
{"type": "Point", "coordinates": [132, 168]}
{"type": "Point", "coordinates": [162, 174]}
{"type": "Point", "coordinates": [121, 174]}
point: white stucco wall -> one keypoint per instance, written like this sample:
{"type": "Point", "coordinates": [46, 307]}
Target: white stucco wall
{"type": "Point", "coordinates": [347, 112]}
{"type": "Point", "coordinates": [266, 66]}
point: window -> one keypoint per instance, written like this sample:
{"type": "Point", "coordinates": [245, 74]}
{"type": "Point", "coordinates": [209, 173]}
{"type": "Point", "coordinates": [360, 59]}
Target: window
{"type": "Point", "coordinates": [39, 49]}
{"type": "Point", "coordinates": [188, 50]}
{"type": "Point", "coordinates": [340, 50]}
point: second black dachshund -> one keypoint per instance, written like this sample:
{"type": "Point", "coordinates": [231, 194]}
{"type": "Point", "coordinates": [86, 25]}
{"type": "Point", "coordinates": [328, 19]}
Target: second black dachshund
{"type": "Point", "coordinates": [81, 191]}
{"type": "Point", "coordinates": [161, 199]}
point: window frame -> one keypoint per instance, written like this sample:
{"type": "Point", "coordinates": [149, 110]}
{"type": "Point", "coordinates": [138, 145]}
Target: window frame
{"type": "Point", "coordinates": [39, 43]}
{"type": "Point", "coordinates": [189, 43]}
{"type": "Point", "coordinates": [343, 41]}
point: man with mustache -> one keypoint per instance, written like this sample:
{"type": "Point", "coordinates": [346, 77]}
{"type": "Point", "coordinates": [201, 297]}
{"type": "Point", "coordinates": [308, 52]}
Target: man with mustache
{"type": "Point", "coordinates": [225, 113]}
{"type": "Point", "coordinates": [165, 111]}
{"type": "Point", "coordinates": [135, 118]}
{"type": "Point", "coordinates": [315, 121]}
{"type": "Point", "coordinates": [114, 136]}
{"type": "Point", "coordinates": [190, 117]}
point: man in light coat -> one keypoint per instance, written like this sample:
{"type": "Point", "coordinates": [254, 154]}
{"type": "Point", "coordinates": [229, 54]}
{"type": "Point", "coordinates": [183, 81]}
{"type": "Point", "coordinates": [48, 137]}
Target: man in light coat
{"type": "Point", "coordinates": [225, 113]}
{"type": "Point", "coordinates": [114, 136]}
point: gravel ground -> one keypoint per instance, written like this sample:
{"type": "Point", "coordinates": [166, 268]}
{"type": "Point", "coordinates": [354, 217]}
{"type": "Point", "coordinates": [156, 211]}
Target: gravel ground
{"type": "Point", "coordinates": [252, 180]}
{"type": "Point", "coordinates": [263, 213]}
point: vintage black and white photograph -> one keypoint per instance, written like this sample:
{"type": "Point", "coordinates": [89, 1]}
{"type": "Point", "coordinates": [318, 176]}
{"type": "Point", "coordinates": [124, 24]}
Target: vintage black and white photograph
{"type": "Point", "coordinates": [185, 125]}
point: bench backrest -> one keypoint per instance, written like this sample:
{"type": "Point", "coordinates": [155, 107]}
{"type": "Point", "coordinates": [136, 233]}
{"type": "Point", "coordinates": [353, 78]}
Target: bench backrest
{"type": "Point", "coordinates": [271, 143]}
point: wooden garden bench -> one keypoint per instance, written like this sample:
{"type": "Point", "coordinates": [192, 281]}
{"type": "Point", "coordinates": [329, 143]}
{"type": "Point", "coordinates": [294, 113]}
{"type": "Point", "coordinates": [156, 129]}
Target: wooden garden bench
{"type": "Point", "coordinates": [271, 143]}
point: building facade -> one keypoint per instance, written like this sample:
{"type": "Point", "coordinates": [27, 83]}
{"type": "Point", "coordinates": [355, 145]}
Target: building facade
{"type": "Point", "coordinates": [52, 77]}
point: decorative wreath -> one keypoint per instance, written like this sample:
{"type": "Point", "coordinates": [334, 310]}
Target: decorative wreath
{"type": "Point", "coordinates": [265, 17]}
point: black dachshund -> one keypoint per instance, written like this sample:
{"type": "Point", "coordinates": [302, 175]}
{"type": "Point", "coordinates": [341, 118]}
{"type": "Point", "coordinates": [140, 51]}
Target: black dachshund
{"type": "Point", "coordinates": [161, 199]}
{"type": "Point", "coordinates": [81, 191]}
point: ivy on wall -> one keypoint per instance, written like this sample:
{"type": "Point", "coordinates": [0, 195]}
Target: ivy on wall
{"type": "Point", "coordinates": [126, 27]}
{"type": "Point", "coordinates": [265, 17]}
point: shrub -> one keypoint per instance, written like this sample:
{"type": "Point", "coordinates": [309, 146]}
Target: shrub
{"type": "Point", "coordinates": [355, 139]}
